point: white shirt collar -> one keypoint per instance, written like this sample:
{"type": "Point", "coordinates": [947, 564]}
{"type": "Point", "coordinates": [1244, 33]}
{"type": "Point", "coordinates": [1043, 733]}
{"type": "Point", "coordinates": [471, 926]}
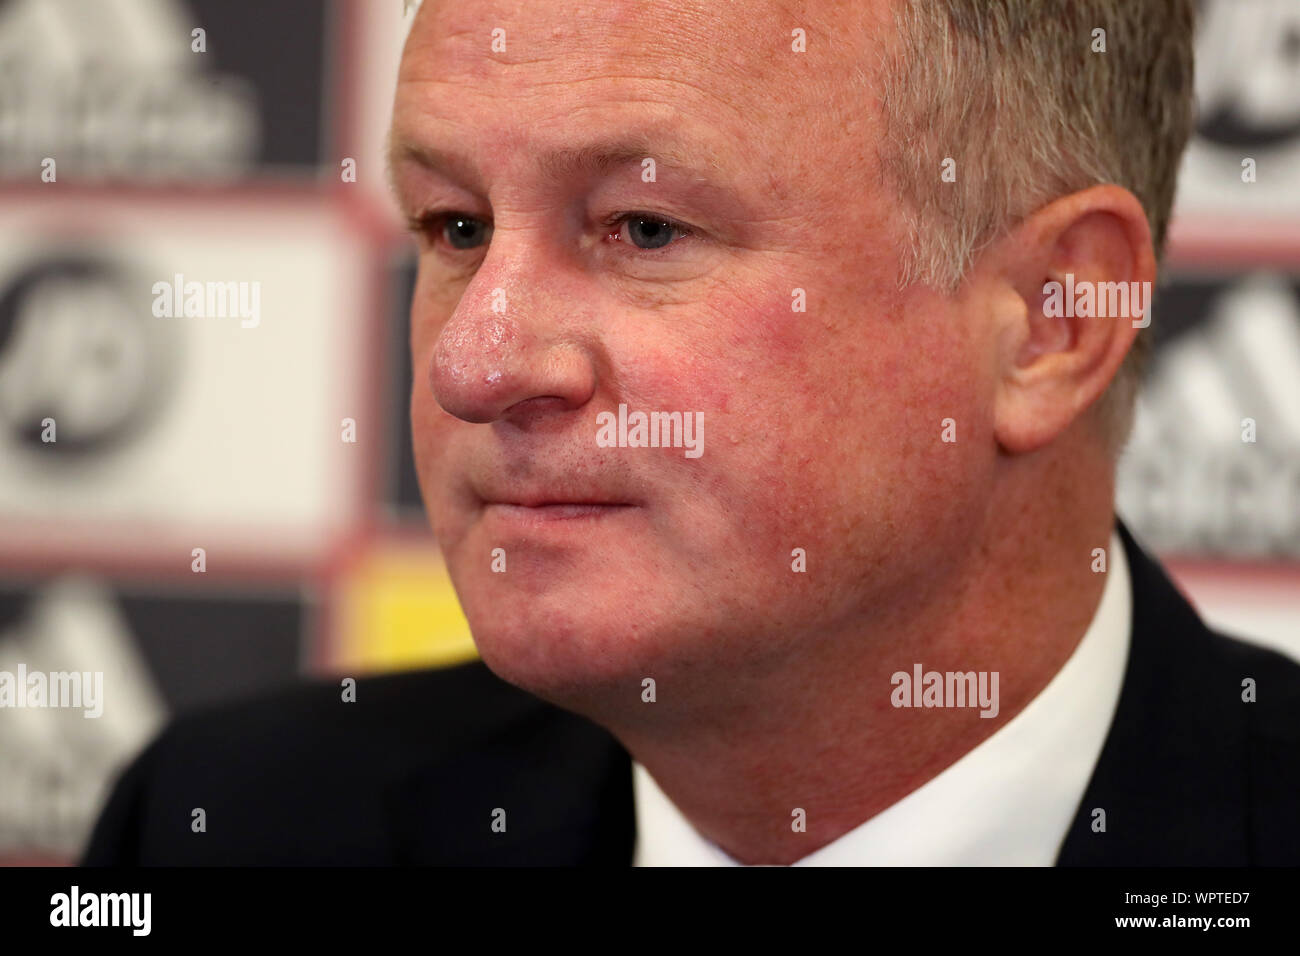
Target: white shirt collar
{"type": "Point", "coordinates": [1008, 802]}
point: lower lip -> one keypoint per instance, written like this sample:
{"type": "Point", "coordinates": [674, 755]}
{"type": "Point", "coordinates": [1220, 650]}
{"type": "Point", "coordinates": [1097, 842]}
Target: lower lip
{"type": "Point", "coordinates": [555, 512]}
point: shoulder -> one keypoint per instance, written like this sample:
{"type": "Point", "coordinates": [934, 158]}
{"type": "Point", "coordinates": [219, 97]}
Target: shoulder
{"type": "Point", "coordinates": [1267, 685]}
{"type": "Point", "coordinates": [1270, 677]}
{"type": "Point", "coordinates": [1172, 645]}
{"type": "Point", "coordinates": [387, 717]}
{"type": "Point", "coordinates": [1202, 761]}
{"type": "Point", "coordinates": [302, 775]}
{"type": "Point", "coordinates": [1264, 686]}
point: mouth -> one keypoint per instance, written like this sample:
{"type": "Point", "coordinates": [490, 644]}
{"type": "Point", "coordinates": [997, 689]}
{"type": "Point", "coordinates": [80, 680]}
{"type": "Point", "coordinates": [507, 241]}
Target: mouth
{"type": "Point", "coordinates": [546, 511]}
{"type": "Point", "coordinates": [538, 506]}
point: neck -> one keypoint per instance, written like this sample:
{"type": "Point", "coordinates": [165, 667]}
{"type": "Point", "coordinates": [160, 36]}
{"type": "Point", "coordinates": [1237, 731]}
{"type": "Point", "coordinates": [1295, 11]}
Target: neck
{"type": "Point", "coordinates": [823, 733]}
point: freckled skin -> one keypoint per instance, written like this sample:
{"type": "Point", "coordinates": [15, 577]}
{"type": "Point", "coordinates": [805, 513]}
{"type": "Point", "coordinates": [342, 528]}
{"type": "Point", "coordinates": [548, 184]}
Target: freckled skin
{"type": "Point", "coordinates": [821, 427]}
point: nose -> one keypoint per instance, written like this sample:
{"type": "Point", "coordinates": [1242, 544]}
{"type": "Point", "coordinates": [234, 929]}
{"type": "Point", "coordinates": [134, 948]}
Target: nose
{"type": "Point", "coordinates": [503, 353]}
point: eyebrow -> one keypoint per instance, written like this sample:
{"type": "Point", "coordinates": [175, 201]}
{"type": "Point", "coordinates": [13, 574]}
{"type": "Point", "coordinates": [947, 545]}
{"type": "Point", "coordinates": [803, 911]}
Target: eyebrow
{"type": "Point", "coordinates": [563, 163]}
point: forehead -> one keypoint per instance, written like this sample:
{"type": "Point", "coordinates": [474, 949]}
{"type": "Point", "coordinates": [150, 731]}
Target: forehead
{"type": "Point", "coordinates": [722, 70]}
{"type": "Point", "coordinates": [632, 38]}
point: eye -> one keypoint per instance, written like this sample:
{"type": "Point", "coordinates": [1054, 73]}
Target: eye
{"type": "Point", "coordinates": [465, 232]}
{"type": "Point", "coordinates": [458, 230]}
{"type": "Point", "coordinates": [645, 231]}
{"type": "Point", "coordinates": [462, 232]}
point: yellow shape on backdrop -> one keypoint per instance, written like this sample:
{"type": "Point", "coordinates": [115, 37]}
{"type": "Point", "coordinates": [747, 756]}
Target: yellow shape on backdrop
{"type": "Point", "coordinates": [399, 612]}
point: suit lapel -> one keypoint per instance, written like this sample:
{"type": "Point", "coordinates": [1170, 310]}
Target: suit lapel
{"type": "Point", "coordinates": [549, 789]}
{"type": "Point", "coordinates": [1172, 775]}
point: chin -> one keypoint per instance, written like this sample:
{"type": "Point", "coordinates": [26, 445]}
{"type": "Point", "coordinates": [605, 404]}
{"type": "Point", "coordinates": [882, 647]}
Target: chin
{"type": "Point", "coordinates": [571, 650]}
{"type": "Point", "coordinates": [520, 634]}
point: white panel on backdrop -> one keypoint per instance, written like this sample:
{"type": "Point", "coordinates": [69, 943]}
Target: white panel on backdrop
{"type": "Point", "coordinates": [175, 429]}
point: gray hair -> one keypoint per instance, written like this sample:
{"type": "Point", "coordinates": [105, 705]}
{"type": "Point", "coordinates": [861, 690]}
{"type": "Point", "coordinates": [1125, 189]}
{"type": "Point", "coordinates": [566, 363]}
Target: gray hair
{"type": "Point", "coordinates": [1013, 92]}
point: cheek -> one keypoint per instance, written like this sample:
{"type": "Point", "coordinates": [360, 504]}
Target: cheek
{"type": "Point", "coordinates": [750, 365]}
{"type": "Point", "coordinates": [830, 422]}
{"type": "Point", "coordinates": [431, 426]}
{"type": "Point", "coordinates": [424, 408]}
{"type": "Point", "coordinates": [747, 357]}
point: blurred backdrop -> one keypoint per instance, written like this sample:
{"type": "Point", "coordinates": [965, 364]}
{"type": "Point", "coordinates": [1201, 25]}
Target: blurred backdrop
{"type": "Point", "coordinates": [202, 507]}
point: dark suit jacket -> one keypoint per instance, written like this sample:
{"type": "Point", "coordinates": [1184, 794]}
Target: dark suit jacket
{"type": "Point", "coordinates": [411, 772]}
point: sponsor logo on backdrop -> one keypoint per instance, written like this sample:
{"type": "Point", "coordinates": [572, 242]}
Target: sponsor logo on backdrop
{"type": "Point", "coordinates": [54, 763]}
{"type": "Point", "coordinates": [1248, 72]}
{"type": "Point", "coordinates": [1213, 466]}
{"type": "Point", "coordinates": [115, 90]}
{"type": "Point", "coordinates": [1243, 158]}
{"type": "Point", "coordinates": [81, 363]}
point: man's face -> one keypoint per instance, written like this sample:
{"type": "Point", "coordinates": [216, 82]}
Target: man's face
{"type": "Point", "coordinates": [547, 307]}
